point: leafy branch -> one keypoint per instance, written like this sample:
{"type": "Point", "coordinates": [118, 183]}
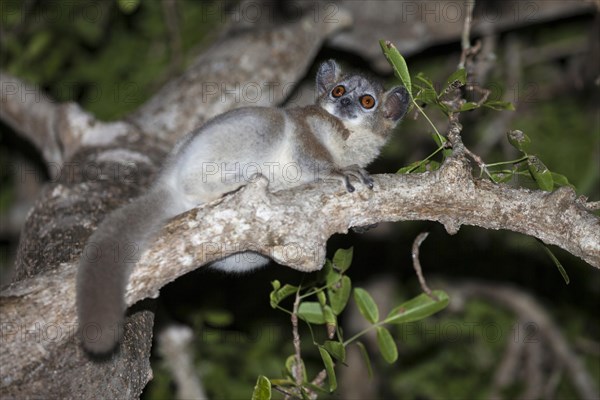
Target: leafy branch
{"type": "Point", "coordinates": [320, 303]}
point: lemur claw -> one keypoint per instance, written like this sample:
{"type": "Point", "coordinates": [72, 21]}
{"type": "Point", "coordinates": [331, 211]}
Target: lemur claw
{"type": "Point", "coordinates": [358, 173]}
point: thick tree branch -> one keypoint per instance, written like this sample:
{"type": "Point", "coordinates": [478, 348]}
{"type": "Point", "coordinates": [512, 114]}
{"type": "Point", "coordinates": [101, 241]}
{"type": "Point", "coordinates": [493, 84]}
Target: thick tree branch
{"type": "Point", "coordinates": [253, 68]}
{"type": "Point", "coordinates": [57, 130]}
{"type": "Point", "coordinates": [30, 112]}
{"type": "Point", "coordinates": [98, 166]}
{"type": "Point", "coordinates": [228, 76]}
{"type": "Point", "coordinates": [292, 227]}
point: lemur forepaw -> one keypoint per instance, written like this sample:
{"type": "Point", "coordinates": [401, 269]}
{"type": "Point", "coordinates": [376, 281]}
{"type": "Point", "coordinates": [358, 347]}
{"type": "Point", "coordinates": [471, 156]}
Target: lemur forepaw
{"type": "Point", "coordinates": [356, 172]}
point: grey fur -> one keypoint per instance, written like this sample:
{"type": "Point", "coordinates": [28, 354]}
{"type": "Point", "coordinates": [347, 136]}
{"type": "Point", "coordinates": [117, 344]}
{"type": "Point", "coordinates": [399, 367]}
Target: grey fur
{"type": "Point", "coordinates": [110, 253]}
{"type": "Point", "coordinates": [334, 139]}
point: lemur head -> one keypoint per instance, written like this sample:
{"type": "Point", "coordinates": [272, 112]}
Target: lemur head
{"type": "Point", "coordinates": [359, 102]}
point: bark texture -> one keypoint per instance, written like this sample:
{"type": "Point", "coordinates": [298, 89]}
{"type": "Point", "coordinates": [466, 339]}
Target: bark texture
{"type": "Point", "coordinates": [96, 167]}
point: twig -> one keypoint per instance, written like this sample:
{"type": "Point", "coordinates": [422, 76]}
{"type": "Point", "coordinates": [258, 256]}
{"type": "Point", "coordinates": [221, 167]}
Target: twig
{"type": "Point", "coordinates": [174, 345]}
{"type": "Point", "coordinates": [453, 135]}
{"type": "Point", "coordinates": [534, 369]}
{"type": "Point", "coordinates": [320, 378]}
{"type": "Point", "coordinates": [318, 381]}
{"type": "Point", "coordinates": [33, 114]}
{"type": "Point", "coordinates": [467, 55]}
{"type": "Point", "coordinates": [553, 381]}
{"type": "Point", "coordinates": [417, 264]}
{"type": "Point", "coordinates": [287, 394]}
{"type": "Point", "coordinates": [465, 41]}
{"type": "Point", "coordinates": [592, 205]}
{"type": "Point", "coordinates": [497, 128]}
{"type": "Point", "coordinates": [297, 370]}
{"type": "Point", "coordinates": [506, 372]}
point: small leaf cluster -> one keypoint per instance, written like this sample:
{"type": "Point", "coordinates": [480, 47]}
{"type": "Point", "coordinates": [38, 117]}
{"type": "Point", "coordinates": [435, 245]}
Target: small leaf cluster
{"type": "Point", "coordinates": [528, 165]}
{"type": "Point", "coordinates": [320, 303]}
{"type": "Point", "coordinates": [425, 93]}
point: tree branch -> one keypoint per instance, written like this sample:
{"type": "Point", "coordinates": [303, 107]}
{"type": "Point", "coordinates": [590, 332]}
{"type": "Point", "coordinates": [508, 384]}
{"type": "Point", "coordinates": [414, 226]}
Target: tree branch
{"type": "Point", "coordinates": [228, 76]}
{"type": "Point", "coordinates": [57, 130]}
{"type": "Point", "coordinates": [299, 223]}
{"type": "Point", "coordinates": [529, 310]}
{"type": "Point", "coordinates": [100, 166]}
{"type": "Point", "coordinates": [32, 113]}
{"type": "Point", "coordinates": [262, 68]}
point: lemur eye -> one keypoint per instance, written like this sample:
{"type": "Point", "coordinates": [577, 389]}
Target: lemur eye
{"type": "Point", "coordinates": [367, 101]}
{"type": "Point", "coordinates": [338, 91]}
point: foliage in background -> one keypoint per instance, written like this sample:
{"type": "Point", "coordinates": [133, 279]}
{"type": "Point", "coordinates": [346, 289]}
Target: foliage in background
{"type": "Point", "coordinates": [109, 56]}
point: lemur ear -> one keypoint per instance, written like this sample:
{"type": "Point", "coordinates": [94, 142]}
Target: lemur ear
{"type": "Point", "coordinates": [396, 103]}
{"type": "Point", "coordinates": [328, 73]}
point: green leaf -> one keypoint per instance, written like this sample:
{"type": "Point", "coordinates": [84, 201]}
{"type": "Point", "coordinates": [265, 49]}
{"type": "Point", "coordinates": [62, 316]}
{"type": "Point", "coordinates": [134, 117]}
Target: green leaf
{"type": "Point", "coordinates": [499, 105]}
{"type": "Point", "coordinates": [279, 294]}
{"type": "Point", "coordinates": [412, 167]}
{"type": "Point", "coordinates": [421, 77]}
{"type": "Point", "coordinates": [289, 366]}
{"type": "Point", "coordinates": [440, 140]}
{"type": "Point", "coordinates": [386, 344]}
{"type": "Point", "coordinates": [326, 270]}
{"type": "Point", "coordinates": [427, 96]}
{"type": "Point", "coordinates": [366, 305]}
{"type": "Point", "coordinates": [502, 177]}
{"type": "Point", "coordinates": [519, 140]}
{"type": "Point", "coordinates": [329, 316]}
{"type": "Point", "coordinates": [218, 318]}
{"type": "Point", "coordinates": [336, 349]}
{"type": "Point", "coordinates": [418, 308]}
{"type": "Point", "coordinates": [561, 269]}
{"type": "Point", "coordinates": [398, 63]}
{"type": "Point", "coordinates": [37, 44]}
{"type": "Point", "coordinates": [470, 105]}
{"type": "Point", "coordinates": [456, 80]}
{"type": "Point", "coordinates": [540, 173]}
{"type": "Point", "coordinates": [311, 312]}
{"type": "Point", "coordinates": [128, 6]}
{"type": "Point", "coordinates": [366, 358]}
{"type": "Point", "coordinates": [432, 165]}
{"type": "Point", "coordinates": [420, 166]}
{"type": "Point", "coordinates": [282, 382]}
{"type": "Point", "coordinates": [331, 275]}
{"type": "Point", "coordinates": [322, 298]}
{"type": "Point", "coordinates": [561, 180]}
{"type": "Point", "coordinates": [329, 368]}
{"type": "Point", "coordinates": [339, 293]}
{"type": "Point", "coordinates": [262, 390]}
{"type": "Point", "coordinates": [343, 258]}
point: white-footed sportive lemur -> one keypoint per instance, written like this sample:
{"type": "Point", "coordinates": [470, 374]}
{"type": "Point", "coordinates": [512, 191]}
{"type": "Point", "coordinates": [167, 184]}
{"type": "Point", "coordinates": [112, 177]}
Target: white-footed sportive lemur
{"type": "Point", "coordinates": [332, 140]}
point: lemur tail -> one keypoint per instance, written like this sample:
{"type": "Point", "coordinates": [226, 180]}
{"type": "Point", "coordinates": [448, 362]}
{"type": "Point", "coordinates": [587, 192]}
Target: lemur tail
{"type": "Point", "coordinates": [107, 259]}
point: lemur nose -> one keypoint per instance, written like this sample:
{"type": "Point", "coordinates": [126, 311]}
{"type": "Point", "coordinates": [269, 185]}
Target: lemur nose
{"type": "Point", "coordinates": [345, 101]}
